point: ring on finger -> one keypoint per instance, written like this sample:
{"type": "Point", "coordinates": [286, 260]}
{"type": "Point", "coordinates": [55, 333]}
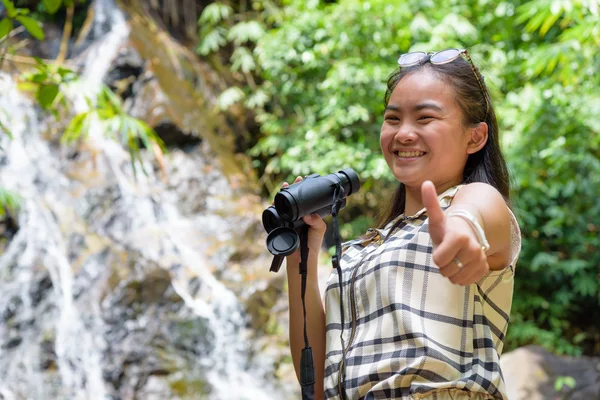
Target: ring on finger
{"type": "Point", "coordinates": [459, 264]}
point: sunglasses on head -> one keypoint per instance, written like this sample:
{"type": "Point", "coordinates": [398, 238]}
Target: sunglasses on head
{"type": "Point", "coordinates": [443, 57]}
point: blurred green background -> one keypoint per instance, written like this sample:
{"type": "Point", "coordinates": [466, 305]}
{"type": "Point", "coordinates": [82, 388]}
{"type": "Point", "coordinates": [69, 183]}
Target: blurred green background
{"type": "Point", "coordinates": [313, 73]}
{"type": "Point", "coordinates": [308, 78]}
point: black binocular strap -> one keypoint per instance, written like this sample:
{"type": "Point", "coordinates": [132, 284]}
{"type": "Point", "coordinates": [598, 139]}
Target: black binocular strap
{"type": "Point", "coordinates": [338, 197]}
{"type": "Point", "coordinates": [307, 369]}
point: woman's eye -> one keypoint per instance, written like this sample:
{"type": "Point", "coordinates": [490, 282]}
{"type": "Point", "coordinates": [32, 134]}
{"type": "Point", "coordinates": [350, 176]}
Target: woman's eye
{"type": "Point", "coordinates": [392, 118]}
{"type": "Point", "coordinates": [425, 117]}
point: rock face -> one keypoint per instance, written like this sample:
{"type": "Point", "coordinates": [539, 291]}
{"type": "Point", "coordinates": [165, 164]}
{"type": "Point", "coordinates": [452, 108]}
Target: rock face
{"type": "Point", "coordinates": [121, 288]}
{"type": "Point", "coordinates": [532, 373]}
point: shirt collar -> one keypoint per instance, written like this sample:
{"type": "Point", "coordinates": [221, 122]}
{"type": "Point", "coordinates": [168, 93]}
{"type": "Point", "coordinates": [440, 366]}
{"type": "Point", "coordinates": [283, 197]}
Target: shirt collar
{"type": "Point", "coordinates": [444, 200]}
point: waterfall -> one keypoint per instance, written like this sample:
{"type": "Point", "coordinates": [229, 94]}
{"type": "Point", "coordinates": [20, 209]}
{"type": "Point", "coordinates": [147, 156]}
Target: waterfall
{"type": "Point", "coordinates": [108, 292]}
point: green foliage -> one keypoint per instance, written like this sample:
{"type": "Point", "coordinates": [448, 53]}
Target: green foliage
{"type": "Point", "coordinates": [564, 381]}
{"type": "Point", "coordinates": [46, 81]}
{"type": "Point", "coordinates": [6, 25]}
{"type": "Point", "coordinates": [117, 124]}
{"type": "Point", "coordinates": [3, 128]}
{"type": "Point", "coordinates": [32, 26]}
{"type": "Point", "coordinates": [52, 6]}
{"type": "Point", "coordinates": [321, 70]}
{"type": "Point", "coordinates": [9, 202]}
{"type": "Point", "coordinates": [20, 14]}
{"type": "Point", "coordinates": [214, 13]}
{"type": "Point", "coordinates": [218, 28]}
{"type": "Point", "coordinates": [556, 164]}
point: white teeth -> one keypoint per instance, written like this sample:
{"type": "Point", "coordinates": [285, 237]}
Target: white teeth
{"type": "Point", "coordinates": [410, 153]}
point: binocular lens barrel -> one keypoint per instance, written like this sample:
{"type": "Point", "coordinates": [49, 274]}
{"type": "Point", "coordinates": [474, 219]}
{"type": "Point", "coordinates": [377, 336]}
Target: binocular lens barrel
{"type": "Point", "coordinates": [313, 193]}
{"type": "Point", "coordinates": [285, 206]}
{"type": "Point", "coordinates": [271, 220]}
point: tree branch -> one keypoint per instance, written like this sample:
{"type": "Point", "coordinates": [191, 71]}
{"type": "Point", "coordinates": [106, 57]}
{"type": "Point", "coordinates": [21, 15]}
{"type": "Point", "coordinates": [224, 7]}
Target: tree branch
{"type": "Point", "coordinates": [64, 43]}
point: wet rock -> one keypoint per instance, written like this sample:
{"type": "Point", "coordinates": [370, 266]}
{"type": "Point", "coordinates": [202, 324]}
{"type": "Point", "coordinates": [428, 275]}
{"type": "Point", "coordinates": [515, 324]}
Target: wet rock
{"type": "Point", "coordinates": [12, 342]}
{"type": "Point", "coordinates": [128, 66]}
{"type": "Point", "coordinates": [9, 227]}
{"type": "Point", "coordinates": [48, 354]}
{"type": "Point", "coordinates": [38, 291]}
{"type": "Point", "coordinates": [12, 308]}
{"type": "Point", "coordinates": [112, 288]}
{"type": "Point", "coordinates": [259, 306]}
{"type": "Point", "coordinates": [175, 137]}
{"type": "Point", "coordinates": [532, 372]}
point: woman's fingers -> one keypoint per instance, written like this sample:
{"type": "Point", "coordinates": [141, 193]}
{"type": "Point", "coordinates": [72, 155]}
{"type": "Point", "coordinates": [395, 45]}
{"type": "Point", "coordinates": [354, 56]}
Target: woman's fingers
{"type": "Point", "coordinates": [460, 256]}
{"type": "Point", "coordinates": [285, 184]}
{"type": "Point", "coordinates": [470, 273]}
{"type": "Point", "coordinates": [466, 267]}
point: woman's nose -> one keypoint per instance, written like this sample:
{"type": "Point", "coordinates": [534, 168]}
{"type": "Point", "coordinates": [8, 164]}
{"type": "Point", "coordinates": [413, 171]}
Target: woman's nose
{"type": "Point", "coordinates": [406, 134]}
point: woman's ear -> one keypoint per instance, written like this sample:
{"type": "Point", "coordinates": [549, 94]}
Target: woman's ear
{"type": "Point", "coordinates": [478, 139]}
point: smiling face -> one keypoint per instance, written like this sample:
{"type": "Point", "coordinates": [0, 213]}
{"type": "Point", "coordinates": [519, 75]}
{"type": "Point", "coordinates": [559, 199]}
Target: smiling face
{"type": "Point", "coordinates": [423, 136]}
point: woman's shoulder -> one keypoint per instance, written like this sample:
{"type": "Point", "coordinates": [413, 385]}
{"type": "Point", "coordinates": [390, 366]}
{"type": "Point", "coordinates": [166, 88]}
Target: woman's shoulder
{"type": "Point", "coordinates": [480, 190]}
{"type": "Point", "coordinates": [497, 215]}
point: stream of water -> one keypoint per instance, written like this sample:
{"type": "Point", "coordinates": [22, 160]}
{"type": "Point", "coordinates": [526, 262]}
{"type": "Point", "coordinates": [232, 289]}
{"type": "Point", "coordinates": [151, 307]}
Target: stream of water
{"type": "Point", "coordinates": [83, 244]}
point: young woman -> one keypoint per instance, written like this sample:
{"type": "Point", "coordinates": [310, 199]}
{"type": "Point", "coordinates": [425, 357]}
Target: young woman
{"type": "Point", "coordinates": [426, 296]}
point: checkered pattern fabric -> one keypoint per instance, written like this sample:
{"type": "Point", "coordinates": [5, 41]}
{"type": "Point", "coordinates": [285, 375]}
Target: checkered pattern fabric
{"type": "Point", "coordinates": [409, 332]}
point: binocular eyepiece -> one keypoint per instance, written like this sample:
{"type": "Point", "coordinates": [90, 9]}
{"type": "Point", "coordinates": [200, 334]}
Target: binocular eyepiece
{"type": "Point", "coordinates": [313, 194]}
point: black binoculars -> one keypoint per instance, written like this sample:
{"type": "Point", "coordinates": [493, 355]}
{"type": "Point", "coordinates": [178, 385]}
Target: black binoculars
{"type": "Point", "coordinates": [312, 195]}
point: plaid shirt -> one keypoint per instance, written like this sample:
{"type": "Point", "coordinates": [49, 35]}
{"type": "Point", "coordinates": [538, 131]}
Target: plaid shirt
{"type": "Point", "coordinates": [410, 333]}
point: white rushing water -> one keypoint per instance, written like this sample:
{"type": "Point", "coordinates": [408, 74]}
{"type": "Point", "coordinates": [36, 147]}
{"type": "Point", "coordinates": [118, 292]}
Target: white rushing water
{"type": "Point", "coordinates": [143, 219]}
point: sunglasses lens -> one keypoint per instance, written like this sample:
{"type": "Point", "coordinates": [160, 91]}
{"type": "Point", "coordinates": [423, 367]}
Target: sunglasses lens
{"type": "Point", "coordinates": [445, 56]}
{"type": "Point", "coordinates": [411, 58]}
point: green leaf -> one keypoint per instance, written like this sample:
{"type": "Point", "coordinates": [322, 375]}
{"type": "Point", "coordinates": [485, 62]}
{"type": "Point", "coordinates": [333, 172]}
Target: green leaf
{"type": "Point", "coordinates": [32, 26]}
{"type": "Point", "coordinates": [46, 95]}
{"type": "Point", "coordinates": [6, 26]}
{"type": "Point", "coordinates": [76, 127]}
{"type": "Point", "coordinates": [4, 128]}
{"type": "Point", "coordinates": [215, 13]}
{"type": "Point", "coordinates": [52, 6]}
{"type": "Point", "coordinates": [242, 59]}
{"type": "Point", "coordinates": [246, 31]}
{"type": "Point", "coordinates": [229, 97]}
{"type": "Point", "coordinates": [11, 11]}
{"type": "Point", "coordinates": [562, 381]}
{"type": "Point", "coordinates": [257, 99]}
{"type": "Point", "coordinates": [212, 41]}
{"type": "Point", "coordinates": [9, 201]}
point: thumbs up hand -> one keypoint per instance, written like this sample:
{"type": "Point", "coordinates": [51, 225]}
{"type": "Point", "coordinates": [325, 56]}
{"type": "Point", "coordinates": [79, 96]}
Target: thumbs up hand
{"type": "Point", "coordinates": [456, 249]}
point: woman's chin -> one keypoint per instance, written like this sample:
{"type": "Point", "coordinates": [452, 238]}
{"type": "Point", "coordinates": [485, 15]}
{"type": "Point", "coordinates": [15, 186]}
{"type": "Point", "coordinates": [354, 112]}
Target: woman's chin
{"type": "Point", "coordinates": [409, 181]}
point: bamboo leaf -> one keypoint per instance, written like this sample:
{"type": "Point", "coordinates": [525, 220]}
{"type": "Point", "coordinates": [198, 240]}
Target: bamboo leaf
{"type": "Point", "coordinates": [124, 130]}
{"type": "Point", "coordinates": [75, 128]}
{"type": "Point", "coordinates": [548, 23]}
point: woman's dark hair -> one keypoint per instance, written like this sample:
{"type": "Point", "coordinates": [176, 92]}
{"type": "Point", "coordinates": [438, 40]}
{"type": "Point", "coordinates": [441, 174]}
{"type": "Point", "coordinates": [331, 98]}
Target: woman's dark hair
{"type": "Point", "coordinates": [487, 165]}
